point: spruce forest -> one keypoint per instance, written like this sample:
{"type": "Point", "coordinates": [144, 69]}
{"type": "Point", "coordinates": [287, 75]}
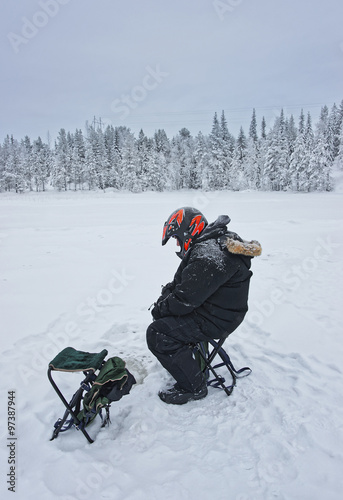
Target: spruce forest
{"type": "Point", "coordinates": [290, 155]}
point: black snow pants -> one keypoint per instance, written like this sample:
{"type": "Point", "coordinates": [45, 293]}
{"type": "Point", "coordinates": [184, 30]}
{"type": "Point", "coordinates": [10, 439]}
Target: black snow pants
{"type": "Point", "coordinates": [169, 339]}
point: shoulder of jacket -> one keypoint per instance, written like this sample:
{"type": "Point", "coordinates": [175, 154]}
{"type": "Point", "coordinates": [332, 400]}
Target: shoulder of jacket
{"type": "Point", "coordinates": [209, 250]}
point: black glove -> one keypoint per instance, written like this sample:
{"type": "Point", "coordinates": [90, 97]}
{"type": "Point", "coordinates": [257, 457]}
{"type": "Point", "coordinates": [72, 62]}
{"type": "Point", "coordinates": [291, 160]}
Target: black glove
{"type": "Point", "coordinates": [155, 312]}
{"type": "Point", "coordinates": [166, 289]}
{"type": "Point", "coordinates": [160, 308]}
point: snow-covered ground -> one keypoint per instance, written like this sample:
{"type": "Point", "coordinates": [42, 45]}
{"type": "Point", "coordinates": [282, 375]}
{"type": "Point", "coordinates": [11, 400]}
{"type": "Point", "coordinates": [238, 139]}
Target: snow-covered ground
{"type": "Point", "coordinates": [81, 269]}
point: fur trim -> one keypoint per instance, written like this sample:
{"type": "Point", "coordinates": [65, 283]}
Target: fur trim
{"type": "Point", "coordinates": [248, 248]}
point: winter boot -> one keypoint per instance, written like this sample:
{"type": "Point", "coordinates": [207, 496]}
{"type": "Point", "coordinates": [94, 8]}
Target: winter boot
{"type": "Point", "coordinates": [178, 396]}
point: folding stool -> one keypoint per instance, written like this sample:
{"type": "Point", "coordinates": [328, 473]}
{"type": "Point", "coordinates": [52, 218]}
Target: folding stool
{"type": "Point", "coordinates": [71, 360]}
{"type": "Point", "coordinates": [207, 357]}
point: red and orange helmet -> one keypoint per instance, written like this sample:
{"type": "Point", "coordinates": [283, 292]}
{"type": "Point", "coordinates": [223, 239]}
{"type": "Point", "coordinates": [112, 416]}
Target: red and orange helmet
{"type": "Point", "coordinates": [184, 224]}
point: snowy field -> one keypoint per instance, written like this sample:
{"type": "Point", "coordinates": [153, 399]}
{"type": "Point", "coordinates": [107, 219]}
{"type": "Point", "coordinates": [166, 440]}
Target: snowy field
{"type": "Point", "coordinates": [82, 269]}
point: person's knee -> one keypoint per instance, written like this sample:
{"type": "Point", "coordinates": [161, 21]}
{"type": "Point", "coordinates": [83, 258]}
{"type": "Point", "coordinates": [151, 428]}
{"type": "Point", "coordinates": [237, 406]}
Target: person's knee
{"type": "Point", "coordinates": [159, 342]}
{"type": "Point", "coordinates": [151, 337]}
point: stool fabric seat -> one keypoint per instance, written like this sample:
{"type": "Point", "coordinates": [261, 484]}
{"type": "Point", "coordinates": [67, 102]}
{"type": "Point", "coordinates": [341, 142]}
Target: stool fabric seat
{"type": "Point", "coordinates": [71, 360]}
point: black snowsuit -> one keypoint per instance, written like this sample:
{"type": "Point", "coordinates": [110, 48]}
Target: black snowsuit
{"type": "Point", "coordinates": [208, 298]}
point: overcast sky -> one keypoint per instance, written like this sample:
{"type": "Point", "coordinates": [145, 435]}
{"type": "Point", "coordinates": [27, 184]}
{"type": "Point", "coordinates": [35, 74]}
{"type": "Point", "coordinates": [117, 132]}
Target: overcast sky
{"type": "Point", "coordinates": [165, 64]}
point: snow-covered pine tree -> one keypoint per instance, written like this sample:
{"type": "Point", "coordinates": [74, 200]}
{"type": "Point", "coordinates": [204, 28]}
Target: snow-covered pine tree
{"type": "Point", "coordinates": [283, 154]}
{"type": "Point", "coordinates": [78, 160]}
{"type": "Point", "coordinates": [96, 160]}
{"type": "Point", "coordinates": [334, 127]}
{"type": "Point", "coordinates": [129, 163]}
{"type": "Point", "coordinates": [90, 158]}
{"type": "Point", "coordinates": [239, 179]}
{"type": "Point", "coordinates": [150, 162]}
{"type": "Point", "coordinates": [143, 154]}
{"type": "Point", "coordinates": [220, 154]}
{"type": "Point", "coordinates": [216, 171]}
{"type": "Point", "coordinates": [305, 172]}
{"type": "Point", "coordinates": [114, 174]}
{"type": "Point", "coordinates": [4, 154]}
{"type": "Point", "coordinates": [263, 129]}
{"type": "Point", "coordinates": [339, 158]}
{"type": "Point", "coordinates": [161, 143]}
{"type": "Point", "coordinates": [262, 154]}
{"type": "Point", "coordinates": [157, 169]}
{"type": "Point", "coordinates": [298, 156]}
{"type": "Point", "coordinates": [253, 127]}
{"type": "Point", "coordinates": [102, 159]}
{"type": "Point", "coordinates": [13, 175]}
{"type": "Point", "coordinates": [182, 150]}
{"type": "Point", "coordinates": [270, 171]}
{"type": "Point", "coordinates": [201, 158]}
{"type": "Point", "coordinates": [41, 164]}
{"type": "Point", "coordinates": [7, 170]}
{"type": "Point", "coordinates": [1, 168]}
{"type": "Point", "coordinates": [161, 153]}
{"type": "Point", "coordinates": [276, 169]}
{"type": "Point", "coordinates": [61, 162]}
{"type": "Point", "coordinates": [174, 166]}
{"type": "Point", "coordinates": [252, 167]}
{"type": "Point", "coordinates": [340, 111]}
{"type": "Point", "coordinates": [321, 159]}
{"type": "Point", "coordinates": [291, 134]}
{"type": "Point", "coordinates": [301, 127]}
{"type": "Point", "coordinates": [228, 147]}
{"type": "Point", "coordinates": [25, 158]}
{"type": "Point", "coordinates": [109, 139]}
{"type": "Point", "coordinates": [261, 157]}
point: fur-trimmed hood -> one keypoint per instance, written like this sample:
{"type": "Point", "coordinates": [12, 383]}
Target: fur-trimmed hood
{"type": "Point", "coordinates": [230, 240]}
{"type": "Point", "coordinates": [241, 247]}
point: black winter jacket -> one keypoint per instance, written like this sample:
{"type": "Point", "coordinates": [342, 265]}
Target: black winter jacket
{"type": "Point", "coordinates": [211, 281]}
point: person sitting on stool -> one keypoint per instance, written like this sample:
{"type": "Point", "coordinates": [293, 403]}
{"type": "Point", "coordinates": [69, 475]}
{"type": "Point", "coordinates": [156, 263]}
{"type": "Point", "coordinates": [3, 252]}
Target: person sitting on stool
{"type": "Point", "coordinates": [207, 299]}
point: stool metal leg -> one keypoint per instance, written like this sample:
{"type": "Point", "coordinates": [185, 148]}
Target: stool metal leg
{"type": "Point", "coordinates": [219, 381]}
{"type": "Point", "coordinates": [75, 401]}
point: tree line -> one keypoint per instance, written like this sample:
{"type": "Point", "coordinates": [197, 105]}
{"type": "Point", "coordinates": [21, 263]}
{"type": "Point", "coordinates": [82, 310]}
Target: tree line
{"type": "Point", "coordinates": [288, 156]}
